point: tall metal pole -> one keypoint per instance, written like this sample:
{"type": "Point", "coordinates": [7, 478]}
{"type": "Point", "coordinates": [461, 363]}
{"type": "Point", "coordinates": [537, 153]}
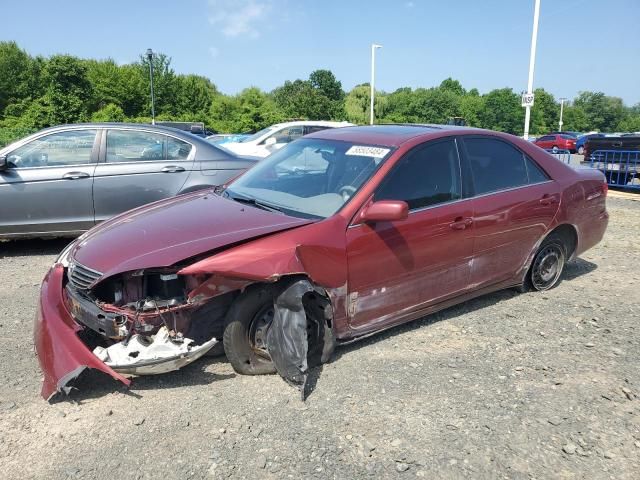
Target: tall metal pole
{"type": "Point", "coordinates": [153, 107]}
{"type": "Point", "coordinates": [532, 61]}
{"type": "Point", "coordinates": [561, 111]}
{"type": "Point", "coordinates": [373, 78]}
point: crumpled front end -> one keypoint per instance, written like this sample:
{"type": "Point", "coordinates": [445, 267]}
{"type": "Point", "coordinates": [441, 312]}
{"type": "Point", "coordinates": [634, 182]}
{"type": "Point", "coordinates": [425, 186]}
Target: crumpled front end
{"type": "Point", "coordinates": [61, 353]}
{"type": "Point", "coordinates": [145, 322]}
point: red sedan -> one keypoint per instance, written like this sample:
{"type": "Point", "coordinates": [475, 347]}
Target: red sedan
{"type": "Point", "coordinates": [557, 142]}
{"type": "Point", "coordinates": [340, 234]}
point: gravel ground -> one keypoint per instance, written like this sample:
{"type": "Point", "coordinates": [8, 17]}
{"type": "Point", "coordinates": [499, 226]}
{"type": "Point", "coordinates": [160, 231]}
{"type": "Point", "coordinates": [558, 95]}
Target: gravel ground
{"type": "Point", "coordinates": [506, 386]}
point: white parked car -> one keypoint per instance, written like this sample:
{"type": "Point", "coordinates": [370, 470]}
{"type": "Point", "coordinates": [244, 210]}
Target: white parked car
{"type": "Point", "coordinates": [270, 139]}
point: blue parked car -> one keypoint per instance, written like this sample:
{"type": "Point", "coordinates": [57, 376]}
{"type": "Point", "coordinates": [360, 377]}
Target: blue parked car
{"type": "Point", "coordinates": [583, 139]}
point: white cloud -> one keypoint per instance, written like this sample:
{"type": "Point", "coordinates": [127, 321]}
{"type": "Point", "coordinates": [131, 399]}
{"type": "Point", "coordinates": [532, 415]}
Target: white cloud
{"type": "Point", "coordinates": [409, 4]}
{"type": "Point", "coordinates": [239, 17]}
{"type": "Point", "coordinates": [214, 52]}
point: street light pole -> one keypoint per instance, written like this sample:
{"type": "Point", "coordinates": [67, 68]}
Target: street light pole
{"type": "Point", "coordinates": [153, 107]}
{"type": "Point", "coordinates": [532, 61]}
{"type": "Point", "coordinates": [373, 77]}
{"type": "Point", "coordinates": [562, 100]}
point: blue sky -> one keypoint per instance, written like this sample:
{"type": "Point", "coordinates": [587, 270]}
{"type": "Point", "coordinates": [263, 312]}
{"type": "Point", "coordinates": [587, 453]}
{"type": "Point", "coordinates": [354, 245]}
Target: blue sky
{"type": "Point", "coordinates": [582, 44]}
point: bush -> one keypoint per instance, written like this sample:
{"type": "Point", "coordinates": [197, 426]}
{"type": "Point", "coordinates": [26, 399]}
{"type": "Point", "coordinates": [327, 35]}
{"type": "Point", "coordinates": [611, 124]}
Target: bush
{"type": "Point", "coordinates": [11, 134]}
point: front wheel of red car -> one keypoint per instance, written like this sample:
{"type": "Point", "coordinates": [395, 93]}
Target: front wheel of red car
{"type": "Point", "coordinates": [248, 320]}
{"type": "Point", "coordinates": [548, 264]}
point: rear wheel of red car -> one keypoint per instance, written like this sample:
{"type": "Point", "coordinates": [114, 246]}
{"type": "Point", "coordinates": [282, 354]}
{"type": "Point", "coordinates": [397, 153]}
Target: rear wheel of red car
{"type": "Point", "coordinates": [548, 264]}
{"type": "Point", "coordinates": [554, 149]}
{"type": "Point", "coordinates": [248, 320]}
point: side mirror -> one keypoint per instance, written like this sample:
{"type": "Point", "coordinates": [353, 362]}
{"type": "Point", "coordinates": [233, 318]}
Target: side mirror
{"type": "Point", "coordinates": [386, 211]}
{"type": "Point", "coordinates": [3, 162]}
{"type": "Point", "coordinates": [270, 142]}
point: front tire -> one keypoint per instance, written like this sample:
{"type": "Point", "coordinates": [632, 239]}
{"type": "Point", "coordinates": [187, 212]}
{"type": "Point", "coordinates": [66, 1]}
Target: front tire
{"type": "Point", "coordinates": [581, 151]}
{"type": "Point", "coordinates": [248, 320]}
{"type": "Point", "coordinates": [548, 264]}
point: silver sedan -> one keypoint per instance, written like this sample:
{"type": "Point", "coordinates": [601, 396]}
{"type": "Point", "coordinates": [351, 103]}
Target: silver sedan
{"type": "Point", "coordinates": [63, 180]}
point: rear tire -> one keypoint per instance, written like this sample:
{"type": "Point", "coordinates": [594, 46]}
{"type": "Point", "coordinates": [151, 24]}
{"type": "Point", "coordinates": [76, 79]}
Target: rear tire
{"type": "Point", "coordinates": [581, 151]}
{"type": "Point", "coordinates": [554, 149]}
{"type": "Point", "coordinates": [248, 320]}
{"type": "Point", "coordinates": [548, 264]}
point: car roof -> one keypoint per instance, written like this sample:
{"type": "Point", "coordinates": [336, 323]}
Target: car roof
{"type": "Point", "coordinates": [318, 123]}
{"type": "Point", "coordinates": [391, 135]}
{"type": "Point", "coordinates": [146, 126]}
{"type": "Point", "coordinates": [202, 144]}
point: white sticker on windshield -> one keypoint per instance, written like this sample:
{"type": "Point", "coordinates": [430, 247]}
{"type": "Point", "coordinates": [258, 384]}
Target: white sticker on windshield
{"type": "Point", "coordinates": [364, 151]}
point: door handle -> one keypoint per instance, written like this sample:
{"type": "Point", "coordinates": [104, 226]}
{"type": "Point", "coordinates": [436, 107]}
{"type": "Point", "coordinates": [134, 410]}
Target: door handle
{"type": "Point", "coordinates": [173, 169]}
{"type": "Point", "coordinates": [547, 199]}
{"type": "Point", "coordinates": [461, 223]}
{"type": "Point", "coordinates": [75, 175]}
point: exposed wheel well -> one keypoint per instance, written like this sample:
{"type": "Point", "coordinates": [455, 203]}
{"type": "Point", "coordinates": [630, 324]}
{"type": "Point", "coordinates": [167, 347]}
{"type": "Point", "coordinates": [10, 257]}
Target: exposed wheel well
{"type": "Point", "coordinates": [569, 235]}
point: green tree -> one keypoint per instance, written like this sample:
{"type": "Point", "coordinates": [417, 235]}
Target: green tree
{"type": "Point", "coordinates": [118, 85]}
{"type": "Point", "coordinates": [453, 86]}
{"type": "Point", "coordinates": [575, 119]}
{"type": "Point", "coordinates": [68, 89]}
{"type": "Point", "coordinates": [603, 113]}
{"type": "Point", "coordinates": [16, 75]}
{"type": "Point", "coordinates": [471, 107]}
{"type": "Point", "coordinates": [398, 106]}
{"type": "Point", "coordinates": [194, 94]}
{"type": "Point", "coordinates": [358, 105]}
{"type": "Point", "coordinates": [319, 98]}
{"type": "Point", "coordinates": [165, 85]}
{"type": "Point", "coordinates": [248, 111]}
{"type": "Point", "coordinates": [434, 105]}
{"type": "Point", "coordinates": [545, 113]}
{"type": "Point", "coordinates": [108, 113]}
{"type": "Point", "coordinates": [502, 111]}
{"type": "Point", "coordinates": [631, 123]}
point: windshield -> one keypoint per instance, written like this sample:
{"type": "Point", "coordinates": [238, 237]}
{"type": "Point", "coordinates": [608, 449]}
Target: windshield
{"type": "Point", "coordinates": [310, 178]}
{"type": "Point", "coordinates": [258, 134]}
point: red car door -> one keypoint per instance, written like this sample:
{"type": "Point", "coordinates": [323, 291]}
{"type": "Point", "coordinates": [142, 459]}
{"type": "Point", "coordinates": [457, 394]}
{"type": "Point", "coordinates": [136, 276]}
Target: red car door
{"type": "Point", "coordinates": [396, 268]}
{"type": "Point", "coordinates": [514, 205]}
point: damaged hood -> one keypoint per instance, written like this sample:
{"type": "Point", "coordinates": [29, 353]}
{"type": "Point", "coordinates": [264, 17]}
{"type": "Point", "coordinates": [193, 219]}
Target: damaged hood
{"type": "Point", "coordinates": [163, 233]}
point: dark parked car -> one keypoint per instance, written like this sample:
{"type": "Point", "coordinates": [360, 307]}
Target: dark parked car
{"type": "Point", "coordinates": [63, 180]}
{"type": "Point", "coordinates": [338, 235]}
{"type": "Point", "coordinates": [557, 142]}
{"type": "Point", "coordinates": [582, 140]}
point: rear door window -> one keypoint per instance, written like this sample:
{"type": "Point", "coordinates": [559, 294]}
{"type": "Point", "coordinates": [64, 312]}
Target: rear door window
{"type": "Point", "coordinates": [534, 172]}
{"type": "Point", "coordinates": [141, 146]}
{"type": "Point", "coordinates": [495, 165]}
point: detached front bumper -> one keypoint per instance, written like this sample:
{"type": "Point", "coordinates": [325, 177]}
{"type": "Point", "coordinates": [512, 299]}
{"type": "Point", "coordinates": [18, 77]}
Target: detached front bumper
{"type": "Point", "coordinates": [61, 354]}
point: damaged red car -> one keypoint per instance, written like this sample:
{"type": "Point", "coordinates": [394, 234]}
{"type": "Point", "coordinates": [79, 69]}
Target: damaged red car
{"type": "Point", "coordinates": [338, 235]}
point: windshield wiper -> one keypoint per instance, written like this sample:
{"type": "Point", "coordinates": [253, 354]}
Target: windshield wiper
{"type": "Point", "coordinates": [255, 203]}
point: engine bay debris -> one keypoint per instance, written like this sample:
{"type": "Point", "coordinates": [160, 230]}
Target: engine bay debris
{"type": "Point", "coordinates": [146, 355]}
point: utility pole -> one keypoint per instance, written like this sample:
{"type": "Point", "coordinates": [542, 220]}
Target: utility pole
{"type": "Point", "coordinates": [153, 107]}
{"type": "Point", "coordinates": [532, 61]}
{"type": "Point", "coordinates": [562, 100]}
{"type": "Point", "coordinates": [374, 47]}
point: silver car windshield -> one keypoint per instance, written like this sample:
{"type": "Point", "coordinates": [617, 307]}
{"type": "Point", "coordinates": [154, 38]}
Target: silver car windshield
{"type": "Point", "coordinates": [310, 178]}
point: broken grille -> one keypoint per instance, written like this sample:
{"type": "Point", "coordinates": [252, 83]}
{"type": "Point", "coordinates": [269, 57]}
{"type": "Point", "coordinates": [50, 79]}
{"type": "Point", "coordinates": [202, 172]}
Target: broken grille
{"type": "Point", "coordinates": [82, 277]}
